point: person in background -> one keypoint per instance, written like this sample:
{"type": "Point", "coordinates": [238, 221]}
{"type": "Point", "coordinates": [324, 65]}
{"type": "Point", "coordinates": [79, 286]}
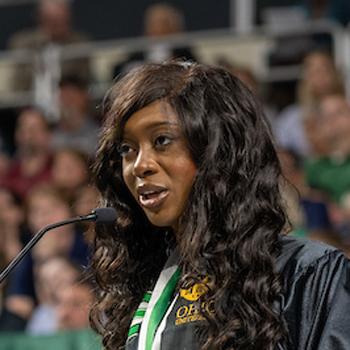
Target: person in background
{"type": "Point", "coordinates": [54, 29]}
{"type": "Point", "coordinates": [13, 233]}
{"type": "Point", "coordinates": [198, 257]}
{"type": "Point", "coordinates": [247, 76]}
{"type": "Point", "coordinates": [319, 78]}
{"type": "Point", "coordinates": [70, 172]}
{"type": "Point", "coordinates": [73, 305]}
{"type": "Point", "coordinates": [161, 21]}
{"type": "Point", "coordinates": [45, 205]}
{"type": "Point", "coordinates": [4, 165]}
{"type": "Point", "coordinates": [12, 228]}
{"type": "Point", "coordinates": [333, 10]}
{"type": "Point", "coordinates": [52, 276]}
{"type": "Point", "coordinates": [33, 158]}
{"type": "Point", "coordinates": [76, 127]}
{"type": "Point", "coordinates": [309, 210]}
{"type": "Point", "coordinates": [86, 201]}
{"type": "Point", "coordinates": [328, 170]}
{"type": "Point", "coordinates": [4, 158]}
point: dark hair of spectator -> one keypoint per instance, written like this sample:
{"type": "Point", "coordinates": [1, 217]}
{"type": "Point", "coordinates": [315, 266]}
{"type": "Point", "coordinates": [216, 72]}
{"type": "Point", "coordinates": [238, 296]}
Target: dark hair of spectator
{"type": "Point", "coordinates": [38, 111]}
{"type": "Point", "coordinates": [74, 81]}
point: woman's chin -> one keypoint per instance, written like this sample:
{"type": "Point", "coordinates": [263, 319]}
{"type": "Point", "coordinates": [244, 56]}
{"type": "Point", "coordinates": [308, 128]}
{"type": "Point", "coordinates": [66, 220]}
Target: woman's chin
{"type": "Point", "coordinates": [162, 222]}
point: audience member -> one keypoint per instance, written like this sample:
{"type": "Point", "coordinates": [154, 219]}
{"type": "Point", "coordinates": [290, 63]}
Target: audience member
{"type": "Point", "coordinates": [4, 165]}
{"type": "Point", "coordinates": [76, 127]}
{"type": "Point", "coordinates": [244, 73]}
{"type": "Point", "coordinates": [327, 170]}
{"type": "Point", "coordinates": [319, 78]}
{"type": "Point", "coordinates": [45, 206]}
{"type": "Point", "coordinates": [86, 201]}
{"type": "Point", "coordinates": [74, 303]}
{"type": "Point", "coordinates": [54, 29]}
{"type": "Point", "coordinates": [330, 170]}
{"type": "Point", "coordinates": [4, 158]}
{"type": "Point", "coordinates": [247, 76]}
{"type": "Point", "coordinates": [334, 10]}
{"type": "Point", "coordinates": [307, 208]}
{"type": "Point", "coordinates": [331, 133]}
{"type": "Point", "coordinates": [12, 234]}
{"type": "Point", "coordinates": [32, 163]}
{"type": "Point", "coordinates": [51, 277]}
{"type": "Point", "coordinates": [161, 20]}
{"type": "Point", "coordinates": [70, 172]}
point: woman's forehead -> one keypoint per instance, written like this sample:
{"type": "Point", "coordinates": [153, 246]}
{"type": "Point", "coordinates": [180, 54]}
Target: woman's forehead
{"type": "Point", "coordinates": [156, 114]}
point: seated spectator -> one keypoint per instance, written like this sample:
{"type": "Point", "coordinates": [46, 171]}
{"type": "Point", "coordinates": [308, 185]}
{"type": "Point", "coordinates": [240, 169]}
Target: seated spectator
{"type": "Point", "coordinates": [70, 172]}
{"type": "Point", "coordinates": [310, 211]}
{"type": "Point", "coordinates": [319, 78]}
{"type": "Point", "coordinates": [76, 127]}
{"type": "Point", "coordinates": [307, 208]}
{"type": "Point", "coordinates": [52, 276]}
{"type": "Point", "coordinates": [4, 165]}
{"type": "Point", "coordinates": [32, 163]}
{"type": "Point", "coordinates": [12, 230]}
{"type": "Point", "coordinates": [329, 171]}
{"type": "Point", "coordinates": [161, 20]}
{"type": "Point", "coordinates": [335, 10]}
{"type": "Point", "coordinates": [45, 206]}
{"type": "Point", "coordinates": [247, 76]}
{"type": "Point", "coordinates": [54, 28]}
{"type": "Point", "coordinates": [86, 200]}
{"type": "Point", "coordinates": [73, 307]}
{"type": "Point", "coordinates": [4, 158]}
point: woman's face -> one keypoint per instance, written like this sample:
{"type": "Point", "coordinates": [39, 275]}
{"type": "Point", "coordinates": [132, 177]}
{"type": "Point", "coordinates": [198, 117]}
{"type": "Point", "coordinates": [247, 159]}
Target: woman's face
{"type": "Point", "coordinates": [157, 166]}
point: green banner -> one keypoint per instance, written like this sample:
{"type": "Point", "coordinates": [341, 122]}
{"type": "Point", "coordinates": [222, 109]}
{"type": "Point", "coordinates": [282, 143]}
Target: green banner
{"type": "Point", "coordinates": [77, 340]}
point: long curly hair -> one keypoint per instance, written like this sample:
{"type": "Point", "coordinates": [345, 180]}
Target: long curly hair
{"type": "Point", "coordinates": [229, 231]}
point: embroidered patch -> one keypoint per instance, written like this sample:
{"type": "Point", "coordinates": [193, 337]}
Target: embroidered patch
{"type": "Point", "coordinates": [195, 292]}
{"type": "Point", "coordinates": [192, 312]}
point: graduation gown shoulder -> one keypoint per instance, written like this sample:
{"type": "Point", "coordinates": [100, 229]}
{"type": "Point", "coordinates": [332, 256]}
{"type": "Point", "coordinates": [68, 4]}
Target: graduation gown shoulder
{"type": "Point", "coordinates": [316, 299]}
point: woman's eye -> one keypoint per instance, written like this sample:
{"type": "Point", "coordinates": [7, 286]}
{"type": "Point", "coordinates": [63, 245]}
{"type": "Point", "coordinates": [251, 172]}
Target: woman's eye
{"type": "Point", "coordinates": [124, 150]}
{"type": "Point", "coordinates": [162, 140]}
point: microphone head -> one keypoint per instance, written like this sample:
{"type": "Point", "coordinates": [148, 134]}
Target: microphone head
{"type": "Point", "coordinates": [105, 215]}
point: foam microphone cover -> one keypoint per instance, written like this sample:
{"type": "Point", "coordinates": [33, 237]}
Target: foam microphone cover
{"type": "Point", "coordinates": [105, 215]}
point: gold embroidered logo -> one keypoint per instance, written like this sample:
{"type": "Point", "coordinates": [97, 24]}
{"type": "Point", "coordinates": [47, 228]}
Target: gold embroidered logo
{"type": "Point", "coordinates": [191, 313]}
{"type": "Point", "coordinates": [195, 292]}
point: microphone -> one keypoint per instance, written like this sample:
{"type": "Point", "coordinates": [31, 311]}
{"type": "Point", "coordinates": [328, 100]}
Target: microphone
{"type": "Point", "coordinates": [100, 216]}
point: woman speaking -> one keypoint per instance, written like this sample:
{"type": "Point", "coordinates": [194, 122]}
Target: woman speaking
{"type": "Point", "coordinates": [197, 258]}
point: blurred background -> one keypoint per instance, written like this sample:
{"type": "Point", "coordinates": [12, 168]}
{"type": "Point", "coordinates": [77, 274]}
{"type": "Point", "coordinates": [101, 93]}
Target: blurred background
{"type": "Point", "coordinates": [58, 58]}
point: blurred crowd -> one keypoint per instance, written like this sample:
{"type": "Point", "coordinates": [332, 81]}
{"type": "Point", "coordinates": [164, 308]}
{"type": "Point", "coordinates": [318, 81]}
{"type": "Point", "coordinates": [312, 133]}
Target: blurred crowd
{"type": "Point", "coordinates": [46, 177]}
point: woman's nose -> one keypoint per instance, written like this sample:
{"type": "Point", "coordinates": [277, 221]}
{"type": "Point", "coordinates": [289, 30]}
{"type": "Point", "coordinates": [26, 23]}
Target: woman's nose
{"type": "Point", "coordinates": [145, 164]}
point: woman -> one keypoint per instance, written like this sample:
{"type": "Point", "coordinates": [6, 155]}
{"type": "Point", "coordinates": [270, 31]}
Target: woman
{"type": "Point", "coordinates": [196, 259]}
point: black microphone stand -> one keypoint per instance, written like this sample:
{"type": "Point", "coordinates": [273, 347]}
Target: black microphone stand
{"type": "Point", "coordinates": [37, 237]}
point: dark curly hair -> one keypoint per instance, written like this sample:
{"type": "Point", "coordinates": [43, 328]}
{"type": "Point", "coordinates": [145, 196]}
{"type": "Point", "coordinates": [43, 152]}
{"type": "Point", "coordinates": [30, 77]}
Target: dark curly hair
{"type": "Point", "coordinates": [229, 231]}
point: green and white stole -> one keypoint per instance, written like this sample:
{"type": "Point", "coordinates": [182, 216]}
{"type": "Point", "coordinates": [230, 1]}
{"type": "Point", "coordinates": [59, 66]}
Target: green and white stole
{"type": "Point", "coordinates": [150, 318]}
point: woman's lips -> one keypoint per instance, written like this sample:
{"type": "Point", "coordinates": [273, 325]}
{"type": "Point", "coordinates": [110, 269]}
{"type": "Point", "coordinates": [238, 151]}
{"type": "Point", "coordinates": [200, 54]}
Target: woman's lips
{"type": "Point", "coordinates": [153, 199]}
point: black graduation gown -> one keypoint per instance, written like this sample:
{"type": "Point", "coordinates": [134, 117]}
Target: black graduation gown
{"type": "Point", "coordinates": [315, 303]}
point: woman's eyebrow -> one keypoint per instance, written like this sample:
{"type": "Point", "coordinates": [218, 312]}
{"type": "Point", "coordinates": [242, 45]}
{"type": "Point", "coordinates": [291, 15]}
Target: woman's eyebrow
{"type": "Point", "coordinates": [155, 125]}
{"type": "Point", "coordinates": [162, 123]}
